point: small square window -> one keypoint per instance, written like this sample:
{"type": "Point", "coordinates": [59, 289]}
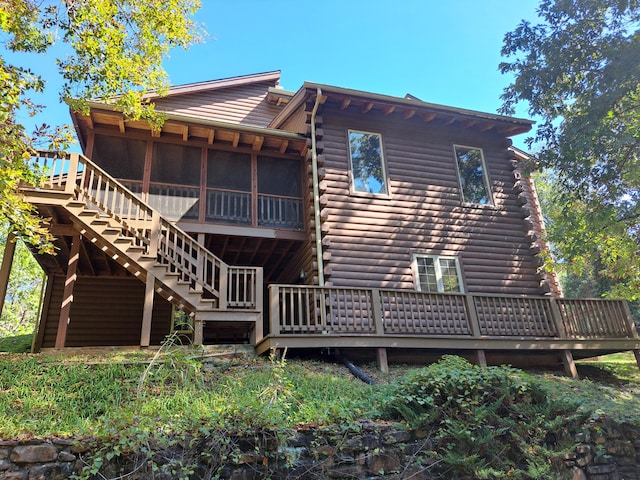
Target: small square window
{"type": "Point", "coordinates": [367, 163]}
{"type": "Point", "coordinates": [472, 173]}
{"type": "Point", "coordinates": [437, 274]}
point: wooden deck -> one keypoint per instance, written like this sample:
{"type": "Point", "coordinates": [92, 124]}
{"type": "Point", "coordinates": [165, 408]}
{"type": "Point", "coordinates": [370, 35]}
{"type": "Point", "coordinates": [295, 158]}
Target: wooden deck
{"type": "Point", "coordinates": [316, 317]}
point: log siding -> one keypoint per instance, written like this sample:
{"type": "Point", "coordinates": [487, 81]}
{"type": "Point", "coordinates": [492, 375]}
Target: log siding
{"type": "Point", "coordinates": [370, 241]}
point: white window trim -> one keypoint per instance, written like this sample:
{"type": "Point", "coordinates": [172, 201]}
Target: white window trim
{"type": "Point", "coordinates": [352, 183]}
{"type": "Point", "coordinates": [436, 263]}
{"type": "Point", "coordinates": [485, 175]}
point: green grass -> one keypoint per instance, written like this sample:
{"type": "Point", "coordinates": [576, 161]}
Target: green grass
{"type": "Point", "coordinates": [16, 343]}
{"type": "Point", "coordinates": [44, 395]}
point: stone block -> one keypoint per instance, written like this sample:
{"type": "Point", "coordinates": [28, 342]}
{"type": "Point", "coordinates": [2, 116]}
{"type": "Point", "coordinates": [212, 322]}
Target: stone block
{"type": "Point", "coordinates": [396, 436]}
{"type": "Point", "coordinates": [42, 453]}
{"type": "Point", "coordinates": [384, 462]}
{"type": "Point", "coordinates": [4, 453]}
{"type": "Point", "coordinates": [13, 476]}
{"type": "Point", "coordinates": [601, 469]}
{"type": "Point", "coordinates": [66, 457]}
{"type": "Point", "coordinates": [5, 465]}
{"type": "Point", "coordinates": [577, 474]}
{"type": "Point", "coordinates": [622, 448]}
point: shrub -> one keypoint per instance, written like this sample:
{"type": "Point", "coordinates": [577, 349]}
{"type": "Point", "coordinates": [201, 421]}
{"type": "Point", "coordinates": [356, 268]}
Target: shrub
{"type": "Point", "coordinates": [485, 422]}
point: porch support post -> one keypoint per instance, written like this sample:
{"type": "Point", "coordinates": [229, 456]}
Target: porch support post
{"type": "Point", "coordinates": [569, 365]}
{"type": "Point", "coordinates": [198, 331]}
{"type": "Point", "coordinates": [274, 310]}
{"type": "Point", "coordinates": [200, 267]}
{"type": "Point", "coordinates": [481, 358]}
{"type": "Point", "coordinates": [636, 354]}
{"type": "Point", "coordinates": [257, 333]}
{"type": "Point", "coordinates": [5, 269]}
{"type": "Point", "coordinates": [147, 313]}
{"type": "Point", "coordinates": [472, 316]}
{"type": "Point", "coordinates": [67, 296]}
{"type": "Point", "coordinates": [383, 362]}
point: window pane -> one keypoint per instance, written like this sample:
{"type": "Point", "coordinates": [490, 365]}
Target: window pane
{"type": "Point", "coordinates": [279, 176]}
{"type": "Point", "coordinates": [175, 164]}
{"type": "Point", "coordinates": [229, 170]}
{"type": "Point", "coordinates": [449, 275]}
{"type": "Point", "coordinates": [472, 175]}
{"type": "Point", "coordinates": [121, 158]}
{"type": "Point", "coordinates": [367, 165]}
{"type": "Point", "coordinates": [427, 274]}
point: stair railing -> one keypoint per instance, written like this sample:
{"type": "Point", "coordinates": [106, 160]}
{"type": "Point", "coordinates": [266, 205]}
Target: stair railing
{"type": "Point", "coordinates": [169, 245]}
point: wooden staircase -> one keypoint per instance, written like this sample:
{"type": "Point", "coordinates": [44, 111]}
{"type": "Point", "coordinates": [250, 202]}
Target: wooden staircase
{"type": "Point", "coordinates": [167, 259]}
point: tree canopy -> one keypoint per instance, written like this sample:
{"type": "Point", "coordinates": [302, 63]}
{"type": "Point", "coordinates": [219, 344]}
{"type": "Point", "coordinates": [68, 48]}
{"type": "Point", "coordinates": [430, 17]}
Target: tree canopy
{"type": "Point", "coordinates": [113, 50]}
{"type": "Point", "coordinates": [579, 71]}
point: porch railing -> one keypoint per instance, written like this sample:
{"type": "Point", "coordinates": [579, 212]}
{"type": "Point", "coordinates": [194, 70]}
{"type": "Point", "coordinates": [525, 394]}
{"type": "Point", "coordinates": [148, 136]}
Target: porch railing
{"type": "Point", "coordinates": [234, 287]}
{"type": "Point", "coordinates": [308, 310]}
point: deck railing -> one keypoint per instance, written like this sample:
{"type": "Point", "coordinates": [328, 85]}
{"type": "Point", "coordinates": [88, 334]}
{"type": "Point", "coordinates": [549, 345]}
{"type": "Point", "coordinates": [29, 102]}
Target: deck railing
{"type": "Point", "coordinates": [308, 310]}
{"type": "Point", "coordinates": [234, 287]}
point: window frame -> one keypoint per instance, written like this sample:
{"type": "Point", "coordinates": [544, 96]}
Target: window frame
{"type": "Point", "coordinates": [485, 177]}
{"type": "Point", "coordinates": [352, 183]}
{"type": "Point", "coordinates": [438, 272]}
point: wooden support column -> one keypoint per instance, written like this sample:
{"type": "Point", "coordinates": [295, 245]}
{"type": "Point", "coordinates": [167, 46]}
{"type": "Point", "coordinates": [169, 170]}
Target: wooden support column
{"type": "Point", "coordinates": [198, 331]}
{"type": "Point", "coordinates": [481, 358]}
{"type": "Point", "coordinates": [569, 365]}
{"type": "Point", "coordinates": [67, 296]}
{"type": "Point", "coordinates": [257, 332]}
{"type": "Point", "coordinates": [383, 362]}
{"type": "Point", "coordinates": [636, 354]}
{"type": "Point", "coordinates": [5, 269]}
{"type": "Point", "coordinates": [147, 313]}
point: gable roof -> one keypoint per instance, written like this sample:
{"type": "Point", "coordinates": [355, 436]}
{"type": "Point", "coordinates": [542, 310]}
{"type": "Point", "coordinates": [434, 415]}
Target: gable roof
{"type": "Point", "coordinates": [271, 77]}
{"type": "Point", "coordinates": [408, 107]}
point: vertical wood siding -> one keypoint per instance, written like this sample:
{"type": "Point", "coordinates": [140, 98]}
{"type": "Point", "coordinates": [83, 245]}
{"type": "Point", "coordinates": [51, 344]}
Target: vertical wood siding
{"type": "Point", "coordinates": [371, 240]}
{"type": "Point", "coordinates": [244, 104]}
{"type": "Point", "coordinates": [105, 311]}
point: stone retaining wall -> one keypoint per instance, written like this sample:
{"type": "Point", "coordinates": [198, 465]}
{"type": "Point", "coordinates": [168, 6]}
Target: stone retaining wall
{"type": "Point", "coordinates": [605, 451]}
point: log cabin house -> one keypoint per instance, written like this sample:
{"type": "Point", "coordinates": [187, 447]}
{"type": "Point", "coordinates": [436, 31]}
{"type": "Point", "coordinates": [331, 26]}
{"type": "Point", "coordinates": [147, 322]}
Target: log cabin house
{"type": "Point", "coordinates": [322, 218]}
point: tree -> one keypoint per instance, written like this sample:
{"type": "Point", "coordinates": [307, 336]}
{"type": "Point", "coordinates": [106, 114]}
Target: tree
{"type": "Point", "coordinates": [579, 72]}
{"type": "Point", "coordinates": [115, 50]}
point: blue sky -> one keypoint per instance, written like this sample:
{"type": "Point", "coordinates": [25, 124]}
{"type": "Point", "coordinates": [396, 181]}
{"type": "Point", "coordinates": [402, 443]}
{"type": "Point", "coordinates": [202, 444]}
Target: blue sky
{"type": "Point", "coordinates": [443, 52]}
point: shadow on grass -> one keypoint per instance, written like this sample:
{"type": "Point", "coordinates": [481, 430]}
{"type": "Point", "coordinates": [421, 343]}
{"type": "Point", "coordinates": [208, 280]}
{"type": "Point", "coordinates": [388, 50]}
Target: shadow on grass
{"type": "Point", "coordinates": [16, 343]}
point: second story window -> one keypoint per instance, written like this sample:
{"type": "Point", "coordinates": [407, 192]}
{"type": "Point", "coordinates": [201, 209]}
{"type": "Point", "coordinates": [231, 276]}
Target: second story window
{"type": "Point", "coordinates": [474, 182]}
{"type": "Point", "coordinates": [367, 163]}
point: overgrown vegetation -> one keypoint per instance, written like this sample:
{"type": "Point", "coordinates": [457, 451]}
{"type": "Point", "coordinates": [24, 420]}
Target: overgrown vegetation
{"type": "Point", "coordinates": [495, 422]}
{"type": "Point", "coordinates": [487, 423]}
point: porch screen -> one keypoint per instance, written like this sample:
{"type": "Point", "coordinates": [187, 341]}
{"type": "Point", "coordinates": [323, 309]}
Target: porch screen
{"type": "Point", "coordinates": [122, 158]}
{"type": "Point", "coordinates": [228, 187]}
{"type": "Point", "coordinates": [175, 181]}
{"type": "Point", "coordinates": [279, 193]}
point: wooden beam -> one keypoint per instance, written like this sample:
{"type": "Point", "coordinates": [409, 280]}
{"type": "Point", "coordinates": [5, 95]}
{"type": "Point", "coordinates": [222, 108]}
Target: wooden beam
{"type": "Point", "coordinates": [450, 121]}
{"type": "Point", "coordinates": [185, 132]}
{"type": "Point", "coordinates": [486, 126]}
{"type": "Point", "coordinates": [5, 269]}
{"type": "Point", "coordinates": [468, 123]}
{"type": "Point", "coordinates": [147, 313]}
{"type": "Point", "coordinates": [211, 137]}
{"type": "Point", "coordinates": [383, 362]}
{"type": "Point", "coordinates": [427, 117]}
{"type": "Point", "coordinates": [89, 121]}
{"type": "Point", "coordinates": [156, 133]}
{"type": "Point", "coordinates": [409, 113]}
{"type": "Point", "coordinates": [345, 103]}
{"type": "Point", "coordinates": [569, 365]}
{"type": "Point", "coordinates": [121, 125]}
{"type": "Point", "coordinates": [67, 296]}
{"type": "Point", "coordinates": [481, 358]}
{"type": "Point", "coordinates": [60, 229]}
{"type": "Point", "coordinates": [367, 107]}
{"type": "Point", "coordinates": [636, 354]}
{"type": "Point", "coordinates": [389, 109]}
{"type": "Point", "coordinates": [236, 139]}
{"type": "Point", "coordinates": [283, 146]}
{"type": "Point", "coordinates": [257, 143]}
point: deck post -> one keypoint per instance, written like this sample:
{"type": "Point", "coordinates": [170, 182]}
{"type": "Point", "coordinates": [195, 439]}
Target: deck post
{"type": "Point", "coordinates": [274, 309]}
{"type": "Point", "coordinates": [472, 316]}
{"type": "Point", "coordinates": [67, 296]}
{"type": "Point", "coordinates": [376, 304]}
{"type": "Point", "coordinates": [557, 318]}
{"type": "Point", "coordinates": [257, 333]}
{"type": "Point", "coordinates": [200, 267]}
{"type": "Point", "coordinates": [481, 358]}
{"type": "Point", "coordinates": [5, 269]}
{"type": "Point", "coordinates": [147, 313]}
{"type": "Point", "coordinates": [223, 290]}
{"type": "Point", "coordinates": [569, 365]}
{"type": "Point", "coordinates": [631, 326]}
{"type": "Point", "coordinates": [154, 236]}
{"type": "Point", "coordinates": [72, 174]}
{"type": "Point", "coordinates": [198, 331]}
{"type": "Point", "coordinates": [383, 362]}
{"type": "Point", "coordinates": [636, 354]}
